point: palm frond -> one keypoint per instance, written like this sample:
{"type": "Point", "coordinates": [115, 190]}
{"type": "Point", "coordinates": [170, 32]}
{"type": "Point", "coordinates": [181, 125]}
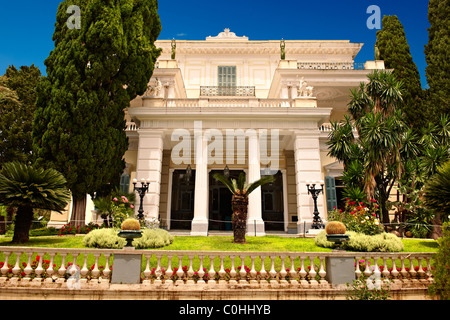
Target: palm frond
{"type": "Point", "coordinates": [24, 185]}
{"type": "Point", "coordinates": [254, 185]}
{"type": "Point", "coordinates": [227, 182]}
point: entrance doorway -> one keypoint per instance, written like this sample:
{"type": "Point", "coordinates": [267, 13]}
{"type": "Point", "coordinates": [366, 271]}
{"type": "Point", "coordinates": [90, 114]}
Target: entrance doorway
{"type": "Point", "coordinates": [220, 208]}
{"type": "Point", "coordinates": [273, 204]}
{"type": "Point", "coordinates": [183, 191]}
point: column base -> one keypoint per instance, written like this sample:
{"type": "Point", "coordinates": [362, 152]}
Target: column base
{"type": "Point", "coordinates": [199, 228]}
{"type": "Point", "coordinates": [255, 228]}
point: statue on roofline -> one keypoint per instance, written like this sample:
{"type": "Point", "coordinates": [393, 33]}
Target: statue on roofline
{"type": "Point", "coordinates": [174, 49]}
{"type": "Point", "coordinates": [283, 49]}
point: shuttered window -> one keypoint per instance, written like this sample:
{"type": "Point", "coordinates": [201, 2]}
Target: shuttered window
{"type": "Point", "coordinates": [227, 76]}
{"type": "Point", "coordinates": [330, 188]}
{"type": "Point", "coordinates": [125, 183]}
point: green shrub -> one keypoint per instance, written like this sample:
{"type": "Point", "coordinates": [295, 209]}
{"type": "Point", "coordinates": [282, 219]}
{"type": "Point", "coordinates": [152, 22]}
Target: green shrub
{"type": "Point", "coordinates": [109, 239]}
{"type": "Point", "coordinates": [104, 238]}
{"type": "Point", "coordinates": [153, 238]}
{"type": "Point", "coordinates": [384, 242]}
{"type": "Point", "coordinates": [441, 273]}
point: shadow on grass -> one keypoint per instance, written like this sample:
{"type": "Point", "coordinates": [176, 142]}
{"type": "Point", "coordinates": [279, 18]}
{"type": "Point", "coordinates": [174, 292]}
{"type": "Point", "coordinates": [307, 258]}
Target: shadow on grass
{"type": "Point", "coordinates": [429, 244]}
{"type": "Point", "coordinates": [52, 242]}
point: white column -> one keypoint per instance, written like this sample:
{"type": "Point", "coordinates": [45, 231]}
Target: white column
{"type": "Point", "coordinates": [149, 166]}
{"type": "Point", "coordinates": [285, 95]}
{"type": "Point", "coordinates": [255, 223]}
{"type": "Point", "coordinates": [285, 200]}
{"type": "Point", "coordinates": [200, 221]}
{"type": "Point", "coordinates": [307, 168]}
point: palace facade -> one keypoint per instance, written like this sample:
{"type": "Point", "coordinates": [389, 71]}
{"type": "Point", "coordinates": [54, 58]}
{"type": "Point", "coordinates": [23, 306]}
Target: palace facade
{"type": "Point", "coordinates": [229, 104]}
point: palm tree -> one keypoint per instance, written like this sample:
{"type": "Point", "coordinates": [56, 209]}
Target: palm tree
{"type": "Point", "coordinates": [26, 188]}
{"type": "Point", "coordinates": [241, 191]}
{"type": "Point", "coordinates": [437, 195]}
{"type": "Point", "coordinates": [374, 109]}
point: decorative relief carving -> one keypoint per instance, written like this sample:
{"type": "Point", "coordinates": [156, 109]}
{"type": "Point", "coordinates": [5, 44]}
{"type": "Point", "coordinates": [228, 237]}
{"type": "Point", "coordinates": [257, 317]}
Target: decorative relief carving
{"type": "Point", "coordinates": [154, 89]}
{"type": "Point", "coordinates": [305, 90]}
{"type": "Point", "coordinates": [227, 35]}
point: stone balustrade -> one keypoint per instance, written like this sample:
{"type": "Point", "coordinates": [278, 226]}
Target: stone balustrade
{"type": "Point", "coordinates": [228, 103]}
{"type": "Point", "coordinates": [93, 268]}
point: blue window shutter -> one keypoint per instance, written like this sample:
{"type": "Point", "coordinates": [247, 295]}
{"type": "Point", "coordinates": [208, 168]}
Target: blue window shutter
{"type": "Point", "coordinates": [125, 183]}
{"type": "Point", "coordinates": [330, 188]}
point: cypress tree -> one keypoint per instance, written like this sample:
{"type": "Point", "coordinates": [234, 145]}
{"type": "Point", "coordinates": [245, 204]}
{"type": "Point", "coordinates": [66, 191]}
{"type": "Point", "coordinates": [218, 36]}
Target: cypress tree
{"type": "Point", "coordinates": [17, 105]}
{"type": "Point", "coordinates": [93, 73]}
{"type": "Point", "coordinates": [438, 58]}
{"type": "Point", "coordinates": [393, 48]}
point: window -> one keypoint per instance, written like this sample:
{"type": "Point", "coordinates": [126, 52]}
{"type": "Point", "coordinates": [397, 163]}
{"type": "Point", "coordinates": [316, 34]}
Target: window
{"type": "Point", "coordinates": [227, 76]}
{"type": "Point", "coordinates": [330, 187]}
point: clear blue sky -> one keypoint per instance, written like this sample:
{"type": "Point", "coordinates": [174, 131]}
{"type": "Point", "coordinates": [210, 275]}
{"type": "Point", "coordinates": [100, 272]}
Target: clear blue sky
{"type": "Point", "coordinates": [27, 26]}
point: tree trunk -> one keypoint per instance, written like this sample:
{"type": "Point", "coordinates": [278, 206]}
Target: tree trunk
{"type": "Point", "coordinates": [78, 212]}
{"type": "Point", "coordinates": [24, 218]}
{"type": "Point", "coordinates": [437, 227]}
{"type": "Point", "coordinates": [240, 206]}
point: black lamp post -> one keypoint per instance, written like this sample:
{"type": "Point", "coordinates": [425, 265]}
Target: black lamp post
{"type": "Point", "coordinates": [142, 191]}
{"type": "Point", "coordinates": [317, 222]}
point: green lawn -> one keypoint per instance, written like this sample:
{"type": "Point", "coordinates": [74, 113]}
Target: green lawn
{"type": "Point", "coordinates": [223, 243]}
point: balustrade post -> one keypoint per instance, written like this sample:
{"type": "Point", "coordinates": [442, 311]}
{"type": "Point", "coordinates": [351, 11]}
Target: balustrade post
{"type": "Point", "coordinates": [5, 267]}
{"type": "Point", "coordinates": [62, 269]}
{"type": "Point", "coordinates": [212, 272]}
{"type": "Point", "coordinates": [28, 268]}
{"type": "Point", "coordinates": [95, 271]}
{"type": "Point", "coordinates": [16, 270]}
{"type": "Point", "coordinates": [303, 273]}
{"type": "Point", "coordinates": [147, 271]}
{"type": "Point", "coordinates": [201, 273]}
{"type": "Point", "coordinates": [312, 272]}
{"type": "Point", "coordinates": [107, 270]}
{"type": "Point", "coordinates": [169, 272]}
{"type": "Point", "coordinates": [190, 272]}
{"type": "Point", "coordinates": [50, 270]}
{"type": "Point", "coordinates": [180, 272]}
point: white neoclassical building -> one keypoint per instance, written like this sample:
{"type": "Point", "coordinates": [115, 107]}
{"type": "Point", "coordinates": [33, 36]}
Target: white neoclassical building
{"type": "Point", "coordinates": [230, 105]}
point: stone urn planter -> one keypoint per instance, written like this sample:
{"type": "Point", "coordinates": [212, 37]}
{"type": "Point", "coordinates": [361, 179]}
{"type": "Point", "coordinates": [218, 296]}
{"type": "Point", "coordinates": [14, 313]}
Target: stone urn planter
{"type": "Point", "coordinates": [340, 269]}
{"type": "Point", "coordinates": [336, 233]}
{"type": "Point", "coordinates": [131, 229]}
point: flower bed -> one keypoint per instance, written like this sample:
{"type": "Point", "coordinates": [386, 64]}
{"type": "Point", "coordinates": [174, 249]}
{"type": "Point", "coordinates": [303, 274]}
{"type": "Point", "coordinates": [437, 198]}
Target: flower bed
{"type": "Point", "coordinates": [359, 217]}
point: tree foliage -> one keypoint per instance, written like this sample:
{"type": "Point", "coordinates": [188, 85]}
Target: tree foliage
{"type": "Point", "coordinates": [394, 50]}
{"type": "Point", "coordinates": [92, 75]}
{"type": "Point", "coordinates": [17, 105]}
{"type": "Point", "coordinates": [438, 59]}
{"type": "Point", "coordinates": [27, 187]}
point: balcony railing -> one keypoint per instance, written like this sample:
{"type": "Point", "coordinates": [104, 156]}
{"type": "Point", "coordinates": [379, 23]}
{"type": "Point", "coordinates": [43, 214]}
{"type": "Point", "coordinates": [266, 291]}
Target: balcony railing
{"type": "Point", "coordinates": [236, 91]}
{"type": "Point", "coordinates": [229, 103]}
{"type": "Point", "coordinates": [331, 66]}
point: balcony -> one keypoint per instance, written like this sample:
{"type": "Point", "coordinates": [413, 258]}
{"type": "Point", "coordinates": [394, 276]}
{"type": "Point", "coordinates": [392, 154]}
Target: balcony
{"type": "Point", "coordinates": [331, 66]}
{"type": "Point", "coordinates": [234, 91]}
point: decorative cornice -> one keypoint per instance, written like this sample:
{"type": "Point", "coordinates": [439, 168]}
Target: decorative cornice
{"type": "Point", "coordinates": [261, 47]}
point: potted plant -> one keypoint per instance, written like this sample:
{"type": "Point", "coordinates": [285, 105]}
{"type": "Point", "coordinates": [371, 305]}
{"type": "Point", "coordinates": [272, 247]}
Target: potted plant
{"type": "Point", "coordinates": [336, 233]}
{"type": "Point", "coordinates": [241, 191]}
{"type": "Point", "coordinates": [130, 230]}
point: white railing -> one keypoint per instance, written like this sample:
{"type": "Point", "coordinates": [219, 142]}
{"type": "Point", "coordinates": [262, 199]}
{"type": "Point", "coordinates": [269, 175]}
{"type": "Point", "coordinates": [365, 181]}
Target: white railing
{"type": "Point", "coordinates": [45, 266]}
{"type": "Point", "coordinates": [131, 126]}
{"type": "Point", "coordinates": [331, 65]}
{"type": "Point", "coordinates": [228, 103]}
